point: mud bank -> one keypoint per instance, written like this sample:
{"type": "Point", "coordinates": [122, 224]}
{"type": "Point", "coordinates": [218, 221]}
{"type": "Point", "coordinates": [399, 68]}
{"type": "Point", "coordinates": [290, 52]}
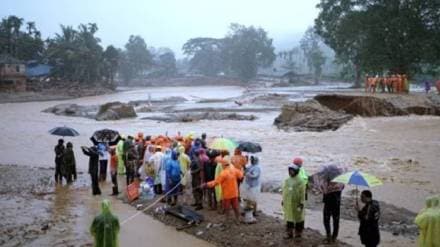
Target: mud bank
{"type": "Point", "coordinates": [331, 111]}
{"type": "Point", "coordinates": [380, 104]}
{"type": "Point", "coordinates": [34, 209]}
{"type": "Point", "coordinates": [216, 229]}
{"type": "Point", "coordinates": [194, 117]}
{"type": "Point", "coordinates": [310, 116]}
{"type": "Point", "coordinates": [55, 93]}
{"type": "Point", "coordinates": [35, 212]}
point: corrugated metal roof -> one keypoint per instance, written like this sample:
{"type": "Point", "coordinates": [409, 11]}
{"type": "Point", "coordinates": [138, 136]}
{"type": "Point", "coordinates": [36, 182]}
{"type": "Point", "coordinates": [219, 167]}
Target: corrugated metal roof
{"type": "Point", "coordinates": [8, 59]}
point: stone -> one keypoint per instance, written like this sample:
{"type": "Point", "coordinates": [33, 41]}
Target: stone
{"type": "Point", "coordinates": [115, 111]}
{"type": "Point", "coordinates": [310, 116]}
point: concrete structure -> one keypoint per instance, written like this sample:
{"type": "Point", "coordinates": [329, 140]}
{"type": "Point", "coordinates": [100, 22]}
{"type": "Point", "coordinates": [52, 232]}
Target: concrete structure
{"type": "Point", "coordinates": [12, 74]}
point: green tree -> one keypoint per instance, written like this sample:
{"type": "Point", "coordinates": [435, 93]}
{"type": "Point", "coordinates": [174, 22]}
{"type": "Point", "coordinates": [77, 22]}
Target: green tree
{"type": "Point", "coordinates": [310, 44]}
{"type": "Point", "coordinates": [110, 64]}
{"type": "Point", "coordinates": [166, 62]}
{"type": "Point", "coordinates": [380, 35]}
{"type": "Point", "coordinates": [246, 49]}
{"type": "Point", "coordinates": [206, 55]}
{"type": "Point", "coordinates": [24, 45]}
{"type": "Point", "coordinates": [76, 54]}
{"type": "Point", "coordinates": [136, 58]}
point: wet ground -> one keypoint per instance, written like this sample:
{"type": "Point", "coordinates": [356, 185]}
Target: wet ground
{"type": "Point", "coordinates": [222, 231]}
{"type": "Point", "coordinates": [403, 151]}
{"type": "Point", "coordinates": [35, 212]}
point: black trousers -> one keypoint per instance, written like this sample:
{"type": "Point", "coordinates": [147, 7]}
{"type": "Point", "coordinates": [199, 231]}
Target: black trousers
{"type": "Point", "coordinates": [298, 227]}
{"type": "Point", "coordinates": [58, 176]}
{"type": "Point", "coordinates": [332, 210]}
{"type": "Point", "coordinates": [103, 170]}
{"type": "Point", "coordinates": [158, 189]}
{"type": "Point", "coordinates": [210, 197]}
{"type": "Point", "coordinates": [198, 196]}
{"type": "Point", "coordinates": [95, 183]}
{"type": "Point", "coordinates": [130, 174]}
{"type": "Point", "coordinates": [114, 177]}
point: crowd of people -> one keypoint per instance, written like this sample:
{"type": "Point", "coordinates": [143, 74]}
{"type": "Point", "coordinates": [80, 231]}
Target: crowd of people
{"type": "Point", "coordinates": [394, 84]}
{"type": "Point", "coordinates": [220, 181]}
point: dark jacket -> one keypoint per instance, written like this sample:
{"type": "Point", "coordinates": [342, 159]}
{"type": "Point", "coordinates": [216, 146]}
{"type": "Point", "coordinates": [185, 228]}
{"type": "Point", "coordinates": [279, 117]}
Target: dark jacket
{"type": "Point", "coordinates": [93, 159]}
{"type": "Point", "coordinates": [59, 152]}
{"type": "Point", "coordinates": [196, 172]}
{"type": "Point", "coordinates": [209, 170]}
{"type": "Point", "coordinates": [70, 163]}
{"type": "Point", "coordinates": [332, 198]}
{"type": "Point", "coordinates": [369, 223]}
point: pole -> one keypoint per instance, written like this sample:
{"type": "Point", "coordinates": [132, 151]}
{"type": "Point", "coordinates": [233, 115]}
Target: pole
{"type": "Point", "coordinates": [357, 203]}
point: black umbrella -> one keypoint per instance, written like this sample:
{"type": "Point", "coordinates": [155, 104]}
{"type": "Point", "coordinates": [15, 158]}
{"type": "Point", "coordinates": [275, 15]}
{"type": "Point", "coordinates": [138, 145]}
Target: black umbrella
{"type": "Point", "coordinates": [63, 131]}
{"type": "Point", "coordinates": [250, 147]}
{"type": "Point", "coordinates": [331, 171]}
{"type": "Point", "coordinates": [109, 136]}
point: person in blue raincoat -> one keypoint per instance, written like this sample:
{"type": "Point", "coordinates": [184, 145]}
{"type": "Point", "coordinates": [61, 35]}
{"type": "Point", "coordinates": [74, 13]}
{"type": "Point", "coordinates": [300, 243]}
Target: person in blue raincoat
{"type": "Point", "coordinates": [173, 177]}
{"type": "Point", "coordinates": [161, 178]}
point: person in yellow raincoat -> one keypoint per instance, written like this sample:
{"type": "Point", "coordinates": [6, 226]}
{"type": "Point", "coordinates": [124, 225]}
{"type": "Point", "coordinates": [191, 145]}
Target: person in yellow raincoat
{"type": "Point", "coordinates": [218, 188]}
{"type": "Point", "coordinates": [120, 153]}
{"type": "Point", "coordinates": [428, 221]}
{"type": "Point", "coordinates": [184, 162]}
{"type": "Point", "coordinates": [294, 190]}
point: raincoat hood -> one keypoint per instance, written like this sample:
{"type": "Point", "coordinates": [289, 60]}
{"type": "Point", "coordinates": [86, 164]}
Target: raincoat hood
{"type": "Point", "coordinates": [105, 227]}
{"type": "Point", "coordinates": [106, 207]}
{"type": "Point", "coordinates": [181, 149]}
{"type": "Point", "coordinates": [202, 151]}
{"type": "Point", "coordinates": [429, 202]}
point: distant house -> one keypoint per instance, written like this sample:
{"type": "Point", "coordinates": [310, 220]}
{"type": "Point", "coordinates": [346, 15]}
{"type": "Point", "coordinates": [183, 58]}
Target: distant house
{"type": "Point", "coordinates": [12, 74]}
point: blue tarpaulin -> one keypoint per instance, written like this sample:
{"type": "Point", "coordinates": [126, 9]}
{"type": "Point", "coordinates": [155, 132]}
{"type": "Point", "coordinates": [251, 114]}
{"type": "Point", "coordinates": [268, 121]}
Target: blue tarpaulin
{"type": "Point", "coordinates": [38, 70]}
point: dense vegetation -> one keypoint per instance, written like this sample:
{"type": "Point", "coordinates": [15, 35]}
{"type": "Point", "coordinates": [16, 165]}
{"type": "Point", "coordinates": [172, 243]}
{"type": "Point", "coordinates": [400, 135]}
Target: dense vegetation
{"type": "Point", "coordinates": [239, 54]}
{"type": "Point", "coordinates": [77, 55]}
{"type": "Point", "coordinates": [382, 36]}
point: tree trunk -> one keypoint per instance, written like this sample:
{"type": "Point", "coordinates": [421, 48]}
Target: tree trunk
{"type": "Point", "coordinates": [357, 81]}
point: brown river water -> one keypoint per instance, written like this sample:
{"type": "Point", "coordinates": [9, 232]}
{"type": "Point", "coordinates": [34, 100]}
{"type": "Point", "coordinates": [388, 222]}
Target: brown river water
{"type": "Point", "coordinates": [403, 151]}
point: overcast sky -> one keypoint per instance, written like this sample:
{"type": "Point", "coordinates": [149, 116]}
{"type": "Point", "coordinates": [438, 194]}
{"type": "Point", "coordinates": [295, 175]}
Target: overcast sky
{"type": "Point", "coordinates": [168, 23]}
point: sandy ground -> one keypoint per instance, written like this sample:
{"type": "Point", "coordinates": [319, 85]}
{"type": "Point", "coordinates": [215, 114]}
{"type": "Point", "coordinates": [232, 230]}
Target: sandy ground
{"type": "Point", "coordinates": [35, 212]}
{"type": "Point", "coordinates": [403, 151]}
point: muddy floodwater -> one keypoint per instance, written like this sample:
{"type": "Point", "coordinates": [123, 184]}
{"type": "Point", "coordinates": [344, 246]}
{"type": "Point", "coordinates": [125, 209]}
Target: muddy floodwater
{"type": "Point", "coordinates": [403, 151]}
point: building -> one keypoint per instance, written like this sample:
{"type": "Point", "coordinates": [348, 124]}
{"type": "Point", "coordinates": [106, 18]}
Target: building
{"type": "Point", "coordinates": [12, 74]}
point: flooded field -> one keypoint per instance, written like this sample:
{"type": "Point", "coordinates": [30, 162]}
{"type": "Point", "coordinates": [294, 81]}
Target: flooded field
{"type": "Point", "coordinates": [403, 151]}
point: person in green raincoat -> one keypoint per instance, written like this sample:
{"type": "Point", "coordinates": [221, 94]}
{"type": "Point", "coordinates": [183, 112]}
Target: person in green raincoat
{"type": "Point", "coordinates": [218, 188]}
{"type": "Point", "coordinates": [184, 162]}
{"type": "Point", "coordinates": [294, 190]}
{"type": "Point", "coordinates": [105, 227]}
{"type": "Point", "coordinates": [120, 153]}
{"type": "Point", "coordinates": [428, 221]}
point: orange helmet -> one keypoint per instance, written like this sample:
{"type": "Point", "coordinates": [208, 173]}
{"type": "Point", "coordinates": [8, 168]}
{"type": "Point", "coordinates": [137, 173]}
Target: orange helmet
{"type": "Point", "coordinates": [298, 161]}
